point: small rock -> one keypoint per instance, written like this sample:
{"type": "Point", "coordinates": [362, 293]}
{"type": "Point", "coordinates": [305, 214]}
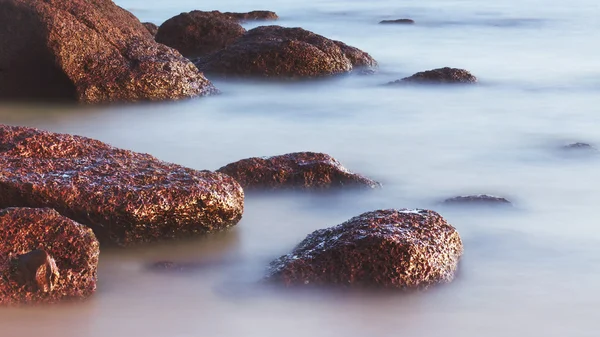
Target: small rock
{"type": "Point", "coordinates": [439, 76]}
{"type": "Point", "coordinates": [385, 249]}
{"type": "Point", "coordinates": [399, 21]}
{"type": "Point", "coordinates": [300, 170]}
{"type": "Point", "coordinates": [481, 199]}
{"type": "Point", "coordinates": [45, 257]}
{"type": "Point", "coordinates": [252, 16]}
{"type": "Point", "coordinates": [152, 28]}
{"type": "Point", "coordinates": [579, 146]}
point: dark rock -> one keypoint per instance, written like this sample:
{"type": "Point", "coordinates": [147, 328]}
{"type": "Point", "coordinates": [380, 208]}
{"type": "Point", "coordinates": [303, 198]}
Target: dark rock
{"type": "Point", "coordinates": [199, 33]}
{"type": "Point", "coordinates": [439, 76]}
{"type": "Point", "coordinates": [252, 16]}
{"type": "Point", "coordinates": [481, 199]}
{"type": "Point", "coordinates": [45, 257]}
{"type": "Point", "coordinates": [384, 249]}
{"type": "Point", "coordinates": [301, 170]}
{"type": "Point", "coordinates": [90, 51]}
{"type": "Point", "coordinates": [579, 146]}
{"type": "Point", "coordinates": [399, 21]}
{"type": "Point", "coordinates": [152, 28]}
{"type": "Point", "coordinates": [124, 196]}
{"type": "Point", "coordinates": [274, 51]}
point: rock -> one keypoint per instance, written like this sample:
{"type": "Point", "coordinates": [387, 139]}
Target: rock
{"type": "Point", "coordinates": [199, 33]}
{"type": "Point", "coordinates": [300, 170]}
{"type": "Point", "coordinates": [152, 28]}
{"type": "Point", "coordinates": [579, 146]}
{"type": "Point", "coordinates": [124, 196]}
{"type": "Point", "coordinates": [385, 249]}
{"type": "Point", "coordinates": [89, 51]}
{"type": "Point", "coordinates": [45, 257]}
{"type": "Point", "coordinates": [399, 21]}
{"type": "Point", "coordinates": [252, 16]}
{"type": "Point", "coordinates": [481, 199]}
{"type": "Point", "coordinates": [438, 76]}
{"type": "Point", "coordinates": [274, 51]}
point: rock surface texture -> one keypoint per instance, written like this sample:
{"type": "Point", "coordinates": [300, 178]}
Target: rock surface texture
{"type": "Point", "coordinates": [405, 249]}
{"type": "Point", "coordinates": [440, 76]}
{"type": "Point", "coordinates": [124, 196]}
{"type": "Point", "coordinates": [274, 51]}
{"type": "Point", "coordinates": [300, 170]}
{"type": "Point", "coordinates": [89, 51]}
{"type": "Point", "coordinates": [152, 28]}
{"type": "Point", "coordinates": [199, 33]}
{"type": "Point", "coordinates": [480, 199]}
{"type": "Point", "coordinates": [45, 257]}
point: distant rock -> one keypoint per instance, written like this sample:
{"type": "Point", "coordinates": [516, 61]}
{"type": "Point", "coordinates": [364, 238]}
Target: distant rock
{"type": "Point", "coordinates": [200, 33]}
{"type": "Point", "coordinates": [480, 199]}
{"type": "Point", "coordinates": [403, 249]}
{"type": "Point", "coordinates": [440, 76]}
{"type": "Point", "coordinates": [88, 51]}
{"type": "Point", "coordinates": [579, 146]}
{"type": "Point", "coordinates": [252, 16]}
{"type": "Point", "coordinates": [152, 28]}
{"type": "Point", "coordinates": [399, 21]}
{"type": "Point", "coordinates": [274, 51]}
{"type": "Point", "coordinates": [124, 196]}
{"type": "Point", "coordinates": [45, 257]}
{"type": "Point", "coordinates": [300, 170]}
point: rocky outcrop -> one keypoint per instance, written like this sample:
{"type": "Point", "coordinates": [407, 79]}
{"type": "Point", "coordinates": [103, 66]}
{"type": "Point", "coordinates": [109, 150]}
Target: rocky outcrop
{"type": "Point", "coordinates": [404, 249]}
{"type": "Point", "coordinates": [440, 76]}
{"type": "Point", "coordinates": [45, 257]}
{"type": "Point", "coordinates": [252, 16]}
{"type": "Point", "coordinates": [399, 21]}
{"type": "Point", "coordinates": [301, 170]}
{"type": "Point", "coordinates": [124, 196]}
{"type": "Point", "coordinates": [274, 51]}
{"type": "Point", "coordinates": [199, 33]}
{"type": "Point", "coordinates": [89, 51]}
{"type": "Point", "coordinates": [479, 199]}
{"type": "Point", "coordinates": [152, 28]}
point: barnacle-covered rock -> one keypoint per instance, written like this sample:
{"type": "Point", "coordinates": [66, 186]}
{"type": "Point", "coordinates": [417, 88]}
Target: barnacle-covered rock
{"type": "Point", "coordinates": [124, 196]}
{"type": "Point", "coordinates": [405, 249]}
{"type": "Point", "coordinates": [440, 76]}
{"type": "Point", "coordinates": [300, 170]}
{"type": "Point", "coordinates": [45, 257]}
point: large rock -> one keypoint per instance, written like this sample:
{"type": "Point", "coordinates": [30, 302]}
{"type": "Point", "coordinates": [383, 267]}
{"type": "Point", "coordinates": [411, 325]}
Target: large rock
{"type": "Point", "coordinates": [274, 51]}
{"type": "Point", "coordinates": [385, 249]}
{"type": "Point", "coordinates": [124, 196]}
{"type": "Point", "coordinates": [90, 51]}
{"type": "Point", "coordinates": [300, 170]}
{"type": "Point", "coordinates": [45, 257]}
{"type": "Point", "coordinates": [439, 76]}
{"type": "Point", "coordinates": [199, 33]}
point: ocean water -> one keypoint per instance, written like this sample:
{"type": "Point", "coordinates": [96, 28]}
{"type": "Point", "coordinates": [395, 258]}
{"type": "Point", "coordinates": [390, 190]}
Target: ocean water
{"type": "Point", "coordinates": [531, 270]}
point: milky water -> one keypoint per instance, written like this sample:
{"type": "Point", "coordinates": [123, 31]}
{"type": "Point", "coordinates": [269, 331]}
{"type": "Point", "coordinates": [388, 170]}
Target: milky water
{"type": "Point", "coordinates": [528, 271]}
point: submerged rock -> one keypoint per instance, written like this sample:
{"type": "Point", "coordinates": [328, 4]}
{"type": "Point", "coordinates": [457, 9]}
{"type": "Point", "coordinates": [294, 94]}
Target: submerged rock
{"type": "Point", "coordinates": [439, 76]}
{"type": "Point", "coordinates": [480, 199]}
{"type": "Point", "coordinates": [385, 249]}
{"type": "Point", "coordinates": [124, 196]}
{"type": "Point", "coordinates": [579, 146]}
{"type": "Point", "coordinates": [399, 21]}
{"type": "Point", "coordinates": [45, 257]}
{"type": "Point", "coordinates": [152, 28]}
{"type": "Point", "coordinates": [89, 51]}
{"type": "Point", "coordinates": [300, 170]}
{"type": "Point", "coordinates": [274, 51]}
{"type": "Point", "coordinates": [199, 33]}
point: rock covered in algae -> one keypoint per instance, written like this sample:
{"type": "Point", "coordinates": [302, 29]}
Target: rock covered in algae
{"type": "Point", "coordinates": [406, 249]}
{"type": "Point", "coordinates": [45, 257]}
{"type": "Point", "coordinates": [124, 196]}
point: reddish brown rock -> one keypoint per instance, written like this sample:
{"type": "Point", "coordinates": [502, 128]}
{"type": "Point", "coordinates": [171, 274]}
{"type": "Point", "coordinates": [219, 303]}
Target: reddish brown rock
{"type": "Point", "coordinates": [152, 28]}
{"type": "Point", "coordinates": [399, 21]}
{"type": "Point", "coordinates": [252, 16]}
{"type": "Point", "coordinates": [440, 76]}
{"type": "Point", "coordinates": [45, 257]}
{"type": "Point", "coordinates": [199, 33]}
{"type": "Point", "coordinates": [480, 199]}
{"type": "Point", "coordinates": [90, 51]}
{"type": "Point", "coordinates": [124, 196]}
{"type": "Point", "coordinates": [274, 51]}
{"type": "Point", "coordinates": [301, 170]}
{"type": "Point", "coordinates": [403, 249]}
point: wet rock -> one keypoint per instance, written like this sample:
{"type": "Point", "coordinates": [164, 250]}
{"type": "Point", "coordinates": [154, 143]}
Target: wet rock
{"type": "Point", "coordinates": [300, 170]}
{"type": "Point", "coordinates": [124, 196]}
{"type": "Point", "coordinates": [480, 199]}
{"type": "Point", "coordinates": [399, 21]}
{"type": "Point", "coordinates": [274, 51]}
{"type": "Point", "coordinates": [385, 249]}
{"type": "Point", "coordinates": [252, 16]}
{"type": "Point", "coordinates": [199, 33]}
{"type": "Point", "coordinates": [439, 76]}
{"type": "Point", "coordinates": [45, 257]}
{"type": "Point", "coordinates": [152, 28]}
{"type": "Point", "coordinates": [89, 51]}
